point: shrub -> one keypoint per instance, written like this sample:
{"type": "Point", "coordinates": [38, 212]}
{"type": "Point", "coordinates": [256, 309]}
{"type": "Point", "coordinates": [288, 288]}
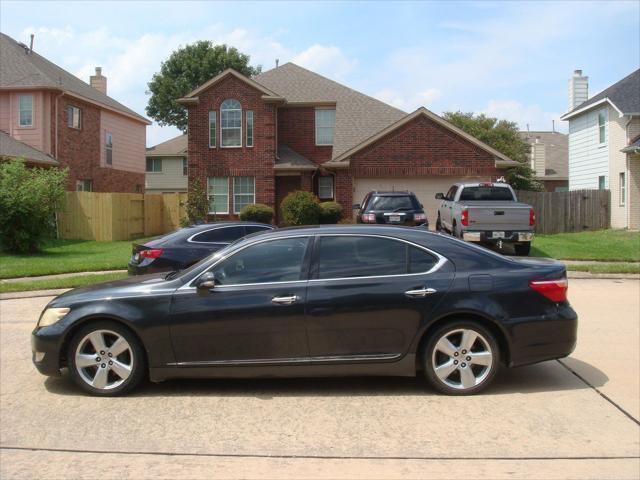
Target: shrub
{"type": "Point", "coordinates": [257, 212]}
{"type": "Point", "coordinates": [197, 205]}
{"type": "Point", "coordinates": [330, 212]}
{"type": "Point", "coordinates": [29, 198]}
{"type": "Point", "coordinates": [300, 208]}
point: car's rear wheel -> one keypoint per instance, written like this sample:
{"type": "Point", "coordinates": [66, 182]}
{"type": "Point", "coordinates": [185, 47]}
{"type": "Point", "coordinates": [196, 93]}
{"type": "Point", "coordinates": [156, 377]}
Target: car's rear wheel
{"type": "Point", "coordinates": [438, 224]}
{"type": "Point", "coordinates": [461, 358]}
{"type": "Point", "coordinates": [106, 359]}
{"type": "Point", "coordinates": [522, 249]}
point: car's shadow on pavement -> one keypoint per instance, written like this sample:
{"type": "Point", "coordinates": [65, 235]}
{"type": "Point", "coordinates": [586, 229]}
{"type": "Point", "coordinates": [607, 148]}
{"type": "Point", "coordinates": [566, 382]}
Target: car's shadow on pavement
{"type": "Point", "coordinates": [544, 377]}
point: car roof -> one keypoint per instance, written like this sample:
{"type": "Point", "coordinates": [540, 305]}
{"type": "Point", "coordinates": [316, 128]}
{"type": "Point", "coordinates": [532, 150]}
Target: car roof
{"type": "Point", "coordinates": [227, 223]}
{"type": "Point", "coordinates": [478, 184]}
{"type": "Point", "coordinates": [396, 193]}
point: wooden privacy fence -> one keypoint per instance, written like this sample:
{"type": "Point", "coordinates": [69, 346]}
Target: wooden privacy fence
{"type": "Point", "coordinates": [573, 211]}
{"type": "Point", "coordinates": [119, 216]}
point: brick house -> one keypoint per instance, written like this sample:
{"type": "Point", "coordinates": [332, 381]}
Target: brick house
{"type": "Point", "coordinates": [48, 110]}
{"type": "Point", "coordinates": [257, 139]}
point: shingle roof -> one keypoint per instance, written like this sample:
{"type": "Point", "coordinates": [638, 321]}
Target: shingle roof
{"type": "Point", "coordinates": [358, 116]}
{"type": "Point", "coordinates": [19, 69]}
{"type": "Point", "coordinates": [625, 95]}
{"type": "Point", "coordinates": [12, 148]}
{"type": "Point", "coordinates": [556, 152]}
{"type": "Point", "coordinates": [176, 146]}
{"type": "Point", "coordinates": [289, 159]}
{"type": "Point", "coordinates": [633, 147]}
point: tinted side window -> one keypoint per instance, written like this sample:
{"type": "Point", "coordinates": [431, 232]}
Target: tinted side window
{"type": "Point", "coordinates": [273, 261]}
{"type": "Point", "coordinates": [420, 261]}
{"type": "Point", "coordinates": [451, 193]}
{"type": "Point", "coordinates": [342, 257]}
{"type": "Point", "coordinates": [220, 235]}
{"type": "Point", "coordinates": [255, 228]}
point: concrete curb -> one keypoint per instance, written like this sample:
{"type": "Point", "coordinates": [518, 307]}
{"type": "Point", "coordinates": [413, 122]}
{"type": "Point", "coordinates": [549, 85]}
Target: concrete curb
{"type": "Point", "coordinates": [59, 275]}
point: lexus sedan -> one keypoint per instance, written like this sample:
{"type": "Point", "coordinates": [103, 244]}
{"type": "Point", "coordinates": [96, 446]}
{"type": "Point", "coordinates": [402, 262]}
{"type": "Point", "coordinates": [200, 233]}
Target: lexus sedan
{"type": "Point", "coordinates": [182, 248]}
{"type": "Point", "coordinates": [316, 301]}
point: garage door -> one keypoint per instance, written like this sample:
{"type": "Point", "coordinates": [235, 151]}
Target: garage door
{"type": "Point", "coordinates": [425, 189]}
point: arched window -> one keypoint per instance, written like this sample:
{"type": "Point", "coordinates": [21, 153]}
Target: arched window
{"type": "Point", "coordinates": [231, 123]}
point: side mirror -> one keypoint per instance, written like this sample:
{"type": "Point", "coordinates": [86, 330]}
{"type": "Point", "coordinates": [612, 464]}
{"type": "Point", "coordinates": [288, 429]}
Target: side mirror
{"type": "Point", "coordinates": [206, 281]}
{"type": "Point", "coordinates": [439, 196]}
{"type": "Point", "coordinates": [356, 206]}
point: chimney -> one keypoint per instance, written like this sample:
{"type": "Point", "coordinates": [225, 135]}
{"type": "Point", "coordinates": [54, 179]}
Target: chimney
{"type": "Point", "coordinates": [98, 81]}
{"type": "Point", "coordinates": [578, 89]}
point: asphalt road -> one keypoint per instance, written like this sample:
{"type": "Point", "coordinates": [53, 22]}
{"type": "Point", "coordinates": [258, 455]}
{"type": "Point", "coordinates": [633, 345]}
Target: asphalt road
{"type": "Point", "coordinates": [574, 418]}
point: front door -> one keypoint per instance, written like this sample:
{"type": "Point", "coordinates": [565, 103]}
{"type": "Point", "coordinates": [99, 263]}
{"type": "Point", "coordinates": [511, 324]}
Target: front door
{"type": "Point", "coordinates": [369, 295]}
{"type": "Point", "coordinates": [254, 314]}
{"type": "Point", "coordinates": [284, 186]}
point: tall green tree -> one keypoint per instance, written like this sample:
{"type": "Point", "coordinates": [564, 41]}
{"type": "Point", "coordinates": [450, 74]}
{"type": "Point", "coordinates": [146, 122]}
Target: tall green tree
{"type": "Point", "coordinates": [186, 69]}
{"type": "Point", "coordinates": [503, 136]}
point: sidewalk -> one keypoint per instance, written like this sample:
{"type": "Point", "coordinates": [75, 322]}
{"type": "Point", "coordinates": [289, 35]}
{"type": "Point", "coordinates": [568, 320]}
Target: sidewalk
{"type": "Point", "coordinates": [59, 275]}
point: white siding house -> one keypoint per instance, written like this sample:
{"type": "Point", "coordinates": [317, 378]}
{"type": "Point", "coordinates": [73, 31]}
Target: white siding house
{"type": "Point", "coordinates": [167, 166]}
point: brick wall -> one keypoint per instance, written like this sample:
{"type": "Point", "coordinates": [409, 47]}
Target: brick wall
{"type": "Point", "coordinates": [296, 129]}
{"type": "Point", "coordinates": [256, 161]}
{"type": "Point", "coordinates": [551, 185]}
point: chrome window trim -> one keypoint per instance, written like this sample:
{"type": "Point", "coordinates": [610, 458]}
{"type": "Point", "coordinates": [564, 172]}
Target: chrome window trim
{"type": "Point", "coordinates": [289, 361]}
{"type": "Point", "coordinates": [190, 239]}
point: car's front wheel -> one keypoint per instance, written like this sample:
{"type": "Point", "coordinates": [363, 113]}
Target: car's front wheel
{"type": "Point", "coordinates": [105, 358]}
{"type": "Point", "coordinates": [461, 358]}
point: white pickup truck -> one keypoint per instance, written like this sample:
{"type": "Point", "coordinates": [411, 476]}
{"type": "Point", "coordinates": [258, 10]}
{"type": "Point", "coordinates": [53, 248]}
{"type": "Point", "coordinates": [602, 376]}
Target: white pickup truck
{"type": "Point", "coordinates": [486, 213]}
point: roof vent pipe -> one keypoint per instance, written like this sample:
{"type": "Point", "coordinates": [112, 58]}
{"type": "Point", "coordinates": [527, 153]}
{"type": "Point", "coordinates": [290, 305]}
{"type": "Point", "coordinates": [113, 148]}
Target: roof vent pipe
{"type": "Point", "coordinates": [277, 61]}
{"type": "Point", "coordinates": [31, 43]}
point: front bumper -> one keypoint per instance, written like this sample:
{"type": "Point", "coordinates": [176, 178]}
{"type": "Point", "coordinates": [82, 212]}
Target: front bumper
{"type": "Point", "coordinates": [46, 343]}
{"type": "Point", "coordinates": [490, 237]}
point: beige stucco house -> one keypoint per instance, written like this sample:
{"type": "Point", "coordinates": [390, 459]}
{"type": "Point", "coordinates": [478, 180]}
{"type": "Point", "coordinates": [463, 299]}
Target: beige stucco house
{"type": "Point", "coordinates": [604, 153]}
{"type": "Point", "coordinates": [166, 168]}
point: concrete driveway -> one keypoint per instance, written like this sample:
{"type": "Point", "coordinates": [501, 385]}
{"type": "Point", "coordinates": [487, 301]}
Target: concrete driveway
{"type": "Point", "coordinates": [574, 418]}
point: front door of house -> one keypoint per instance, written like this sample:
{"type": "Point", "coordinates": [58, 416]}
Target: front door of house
{"type": "Point", "coordinates": [284, 186]}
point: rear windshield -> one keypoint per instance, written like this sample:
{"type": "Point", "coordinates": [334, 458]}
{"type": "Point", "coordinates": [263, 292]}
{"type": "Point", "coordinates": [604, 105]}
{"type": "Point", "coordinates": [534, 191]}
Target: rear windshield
{"type": "Point", "coordinates": [486, 193]}
{"type": "Point", "coordinates": [393, 203]}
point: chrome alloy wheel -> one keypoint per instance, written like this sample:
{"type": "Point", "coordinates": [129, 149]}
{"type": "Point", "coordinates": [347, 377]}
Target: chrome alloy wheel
{"type": "Point", "coordinates": [104, 359]}
{"type": "Point", "coordinates": [462, 359]}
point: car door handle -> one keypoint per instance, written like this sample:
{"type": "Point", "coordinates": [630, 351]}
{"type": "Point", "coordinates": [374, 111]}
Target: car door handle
{"type": "Point", "coordinates": [286, 300]}
{"type": "Point", "coordinates": [420, 292]}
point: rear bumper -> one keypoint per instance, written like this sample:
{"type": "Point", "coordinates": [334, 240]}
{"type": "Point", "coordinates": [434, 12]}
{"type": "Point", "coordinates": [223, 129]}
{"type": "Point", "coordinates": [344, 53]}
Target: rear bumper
{"type": "Point", "coordinates": [136, 269]}
{"type": "Point", "coordinates": [488, 236]}
{"type": "Point", "coordinates": [547, 338]}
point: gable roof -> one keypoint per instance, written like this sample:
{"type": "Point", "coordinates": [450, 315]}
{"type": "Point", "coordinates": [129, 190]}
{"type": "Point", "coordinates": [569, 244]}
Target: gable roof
{"type": "Point", "coordinates": [501, 159]}
{"type": "Point", "coordinates": [22, 69]}
{"type": "Point", "coordinates": [633, 147]}
{"type": "Point", "coordinates": [12, 148]}
{"type": "Point", "coordinates": [556, 152]}
{"type": "Point", "coordinates": [624, 96]}
{"type": "Point", "coordinates": [358, 116]}
{"type": "Point", "coordinates": [174, 147]}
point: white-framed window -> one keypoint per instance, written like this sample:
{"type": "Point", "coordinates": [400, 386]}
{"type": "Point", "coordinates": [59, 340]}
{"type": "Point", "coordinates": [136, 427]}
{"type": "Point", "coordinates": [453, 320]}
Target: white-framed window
{"type": "Point", "coordinates": [325, 123]}
{"type": "Point", "coordinates": [244, 192]}
{"type": "Point", "coordinates": [230, 124]}
{"type": "Point", "coordinates": [218, 190]}
{"type": "Point", "coordinates": [212, 129]}
{"type": "Point", "coordinates": [325, 187]}
{"type": "Point", "coordinates": [602, 125]}
{"type": "Point", "coordinates": [154, 165]}
{"type": "Point", "coordinates": [602, 185]}
{"type": "Point", "coordinates": [25, 109]}
{"type": "Point", "coordinates": [249, 140]}
{"type": "Point", "coordinates": [74, 115]}
{"type": "Point", "coordinates": [83, 185]}
{"type": "Point", "coordinates": [185, 167]}
{"type": "Point", "coordinates": [622, 188]}
{"type": "Point", "coordinates": [108, 144]}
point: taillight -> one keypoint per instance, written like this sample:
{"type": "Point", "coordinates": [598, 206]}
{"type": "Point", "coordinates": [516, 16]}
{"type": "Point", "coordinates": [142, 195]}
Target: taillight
{"type": "Point", "coordinates": [153, 253]}
{"type": "Point", "coordinates": [419, 217]}
{"type": "Point", "coordinates": [464, 219]}
{"type": "Point", "coordinates": [368, 217]}
{"type": "Point", "coordinates": [532, 217]}
{"type": "Point", "coordinates": [554, 290]}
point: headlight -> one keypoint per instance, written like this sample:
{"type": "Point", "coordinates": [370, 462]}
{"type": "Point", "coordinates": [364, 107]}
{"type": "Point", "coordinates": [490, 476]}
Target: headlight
{"type": "Point", "coordinates": [51, 316]}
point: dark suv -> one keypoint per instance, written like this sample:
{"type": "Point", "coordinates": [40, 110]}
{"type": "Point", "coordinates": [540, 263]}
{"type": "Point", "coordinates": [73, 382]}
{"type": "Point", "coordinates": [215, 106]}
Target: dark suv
{"type": "Point", "coordinates": [394, 208]}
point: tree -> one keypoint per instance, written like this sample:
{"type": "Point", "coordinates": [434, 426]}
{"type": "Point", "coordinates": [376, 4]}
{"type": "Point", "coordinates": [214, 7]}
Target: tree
{"type": "Point", "coordinates": [197, 204]}
{"type": "Point", "coordinates": [29, 198]}
{"type": "Point", "coordinates": [503, 136]}
{"type": "Point", "coordinates": [186, 69]}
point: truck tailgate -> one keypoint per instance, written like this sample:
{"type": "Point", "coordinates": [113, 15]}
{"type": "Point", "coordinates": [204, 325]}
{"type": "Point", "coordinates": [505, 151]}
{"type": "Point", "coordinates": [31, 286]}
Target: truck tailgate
{"type": "Point", "coordinates": [485, 215]}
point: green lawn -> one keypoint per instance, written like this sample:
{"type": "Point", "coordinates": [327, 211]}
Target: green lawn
{"type": "Point", "coordinates": [66, 256]}
{"type": "Point", "coordinates": [603, 245]}
{"type": "Point", "coordinates": [620, 267]}
{"type": "Point", "coordinates": [69, 282]}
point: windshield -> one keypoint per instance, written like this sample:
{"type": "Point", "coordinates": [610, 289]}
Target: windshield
{"type": "Point", "coordinates": [393, 203]}
{"type": "Point", "coordinates": [486, 193]}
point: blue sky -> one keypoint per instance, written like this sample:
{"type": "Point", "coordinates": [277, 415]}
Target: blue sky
{"type": "Point", "coordinates": [507, 59]}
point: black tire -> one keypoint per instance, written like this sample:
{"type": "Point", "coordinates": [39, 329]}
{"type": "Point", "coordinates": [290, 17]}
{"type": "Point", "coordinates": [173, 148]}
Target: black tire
{"type": "Point", "coordinates": [438, 224]}
{"type": "Point", "coordinates": [486, 374]}
{"type": "Point", "coordinates": [454, 230]}
{"type": "Point", "coordinates": [134, 354]}
{"type": "Point", "coordinates": [522, 249]}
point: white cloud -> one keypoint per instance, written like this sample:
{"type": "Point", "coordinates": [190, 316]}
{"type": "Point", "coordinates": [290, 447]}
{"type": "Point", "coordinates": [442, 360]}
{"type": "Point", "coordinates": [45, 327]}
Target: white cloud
{"type": "Point", "coordinates": [325, 60]}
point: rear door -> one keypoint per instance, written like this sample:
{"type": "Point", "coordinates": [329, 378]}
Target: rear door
{"type": "Point", "coordinates": [369, 294]}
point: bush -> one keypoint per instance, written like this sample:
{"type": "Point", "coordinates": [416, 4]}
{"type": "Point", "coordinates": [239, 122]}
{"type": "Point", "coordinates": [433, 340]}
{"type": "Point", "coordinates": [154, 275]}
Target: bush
{"type": "Point", "coordinates": [301, 208]}
{"type": "Point", "coordinates": [330, 212]}
{"type": "Point", "coordinates": [197, 205]}
{"type": "Point", "coordinates": [257, 212]}
{"type": "Point", "coordinates": [29, 198]}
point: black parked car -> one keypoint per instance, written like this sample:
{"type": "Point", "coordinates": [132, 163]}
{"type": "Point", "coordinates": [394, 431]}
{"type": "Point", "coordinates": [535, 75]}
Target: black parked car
{"type": "Point", "coordinates": [316, 301]}
{"type": "Point", "coordinates": [182, 248]}
{"type": "Point", "coordinates": [394, 208]}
